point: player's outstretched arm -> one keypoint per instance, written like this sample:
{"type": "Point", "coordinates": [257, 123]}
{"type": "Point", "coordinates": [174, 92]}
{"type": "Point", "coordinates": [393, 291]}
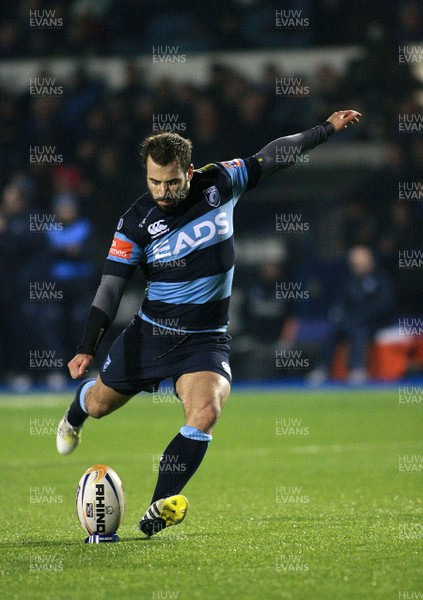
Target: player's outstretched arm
{"type": "Point", "coordinates": [284, 151]}
{"type": "Point", "coordinates": [101, 315]}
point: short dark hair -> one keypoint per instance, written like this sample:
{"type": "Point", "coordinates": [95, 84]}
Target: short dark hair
{"type": "Point", "coordinates": [165, 148]}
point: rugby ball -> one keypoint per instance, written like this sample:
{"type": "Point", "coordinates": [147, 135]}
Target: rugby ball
{"type": "Point", "coordinates": [100, 500]}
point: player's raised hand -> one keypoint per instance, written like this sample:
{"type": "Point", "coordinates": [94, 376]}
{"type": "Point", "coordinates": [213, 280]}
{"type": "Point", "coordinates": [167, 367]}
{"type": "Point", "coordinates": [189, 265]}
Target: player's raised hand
{"type": "Point", "coordinates": [79, 364]}
{"type": "Point", "coordinates": [342, 118]}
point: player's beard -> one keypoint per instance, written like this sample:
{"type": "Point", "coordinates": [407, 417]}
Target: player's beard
{"type": "Point", "coordinates": [166, 205]}
{"type": "Point", "coordinates": [170, 202]}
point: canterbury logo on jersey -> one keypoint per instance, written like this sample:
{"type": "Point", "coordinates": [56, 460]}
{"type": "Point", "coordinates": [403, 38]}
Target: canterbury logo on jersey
{"type": "Point", "coordinates": [200, 233]}
{"type": "Point", "coordinates": [159, 227]}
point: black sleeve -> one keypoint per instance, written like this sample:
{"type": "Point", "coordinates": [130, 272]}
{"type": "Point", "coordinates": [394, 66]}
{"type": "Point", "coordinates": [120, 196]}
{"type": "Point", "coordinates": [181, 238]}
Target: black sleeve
{"type": "Point", "coordinates": [102, 312]}
{"type": "Point", "coordinates": [283, 152]}
{"type": "Point", "coordinates": [255, 171]}
{"type": "Point", "coordinates": [96, 326]}
{"type": "Point", "coordinates": [113, 283]}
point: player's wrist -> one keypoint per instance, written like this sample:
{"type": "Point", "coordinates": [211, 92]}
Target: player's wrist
{"type": "Point", "coordinates": [329, 127]}
{"type": "Point", "coordinates": [85, 352]}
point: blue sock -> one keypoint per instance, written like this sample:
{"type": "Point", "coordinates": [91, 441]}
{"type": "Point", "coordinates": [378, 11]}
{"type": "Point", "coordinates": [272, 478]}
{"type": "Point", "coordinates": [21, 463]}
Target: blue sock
{"type": "Point", "coordinates": [77, 411]}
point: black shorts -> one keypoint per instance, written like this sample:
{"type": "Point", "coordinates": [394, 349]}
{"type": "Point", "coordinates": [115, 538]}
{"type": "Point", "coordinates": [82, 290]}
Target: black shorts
{"type": "Point", "coordinates": [143, 355]}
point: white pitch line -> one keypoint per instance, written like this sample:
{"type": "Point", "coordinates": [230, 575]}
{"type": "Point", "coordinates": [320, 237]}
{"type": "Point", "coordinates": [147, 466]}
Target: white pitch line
{"type": "Point", "coordinates": [35, 401]}
{"type": "Point", "coordinates": [321, 449]}
{"type": "Point", "coordinates": [355, 446]}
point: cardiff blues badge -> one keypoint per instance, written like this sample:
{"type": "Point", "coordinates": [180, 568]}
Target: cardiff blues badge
{"type": "Point", "coordinates": [212, 196]}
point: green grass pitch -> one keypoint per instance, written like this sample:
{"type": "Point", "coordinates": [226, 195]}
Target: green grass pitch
{"type": "Point", "coordinates": [302, 495]}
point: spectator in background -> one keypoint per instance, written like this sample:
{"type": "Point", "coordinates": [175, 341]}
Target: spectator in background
{"type": "Point", "coordinates": [83, 93]}
{"type": "Point", "coordinates": [263, 315]}
{"type": "Point", "coordinates": [86, 31]}
{"type": "Point", "coordinates": [10, 40]}
{"type": "Point", "coordinates": [72, 272]}
{"type": "Point", "coordinates": [107, 27]}
{"type": "Point", "coordinates": [328, 12]}
{"type": "Point", "coordinates": [409, 137]}
{"type": "Point", "coordinates": [365, 305]}
{"type": "Point", "coordinates": [384, 94]}
{"type": "Point", "coordinates": [252, 110]}
{"type": "Point", "coordinates": [327, 86]}
{"type": "Point", "coordinates": [263, 310]}
{"type": "Point", "coordinates": [410, 24]}
{"type": "Point", "coordinates": [111, 182]}
{"type": "Point", "coordinates": [359, 226]}
{"type": "Point", "coordinates": [97, 129]}
{"type": "Point", "coordinates": [43, 128]}
{"type": "Point", "coordinates": [11, 151]}
{"type": "Point", "coordinates": [207, 133]}
{"type": "Point", "coordinates": [402, 234]}
{"type": "Point", "coordinates": [20, 260]}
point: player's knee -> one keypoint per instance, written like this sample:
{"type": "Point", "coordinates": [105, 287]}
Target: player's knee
{"type": "Point", "coordinates": [211, 413]}
{"type": "Point", "coordinates": [97, 409]}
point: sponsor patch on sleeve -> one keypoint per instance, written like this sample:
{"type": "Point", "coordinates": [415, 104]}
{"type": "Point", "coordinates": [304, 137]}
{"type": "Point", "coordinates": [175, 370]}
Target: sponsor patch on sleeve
{"type": "Point", "coordinates": [121, 249]}
{"type": "Point", "coordinates": [238, 173]}
{"type": "Point", "coordinates": [232, 164]}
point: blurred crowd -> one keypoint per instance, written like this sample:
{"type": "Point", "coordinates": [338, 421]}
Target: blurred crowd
{"type": "Point", "coordinates": [125, 27]}
{"type": "Point", "coordinates": [96, 131]}
{"type": "Point", "coordinates": [70, 161]}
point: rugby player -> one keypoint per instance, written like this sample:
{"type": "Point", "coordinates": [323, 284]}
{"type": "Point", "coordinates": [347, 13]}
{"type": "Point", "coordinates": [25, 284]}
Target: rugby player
{"type": "Point", "coordinates": [180, 234]}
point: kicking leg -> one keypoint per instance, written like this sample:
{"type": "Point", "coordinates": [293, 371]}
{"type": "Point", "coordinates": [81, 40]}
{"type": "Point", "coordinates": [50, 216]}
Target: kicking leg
{"type": "Point", "coordinates": [93, 399]}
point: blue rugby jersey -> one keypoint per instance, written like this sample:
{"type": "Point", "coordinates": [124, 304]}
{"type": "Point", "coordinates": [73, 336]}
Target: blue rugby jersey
{"type": "Point", "coordinates": [187, 256]}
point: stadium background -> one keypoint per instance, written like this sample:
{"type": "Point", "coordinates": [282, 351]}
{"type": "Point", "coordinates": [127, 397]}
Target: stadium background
{"type": "Point", "coordinates": [82, 85]}
{"type": "Point", "coordinates": [304, 493]}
